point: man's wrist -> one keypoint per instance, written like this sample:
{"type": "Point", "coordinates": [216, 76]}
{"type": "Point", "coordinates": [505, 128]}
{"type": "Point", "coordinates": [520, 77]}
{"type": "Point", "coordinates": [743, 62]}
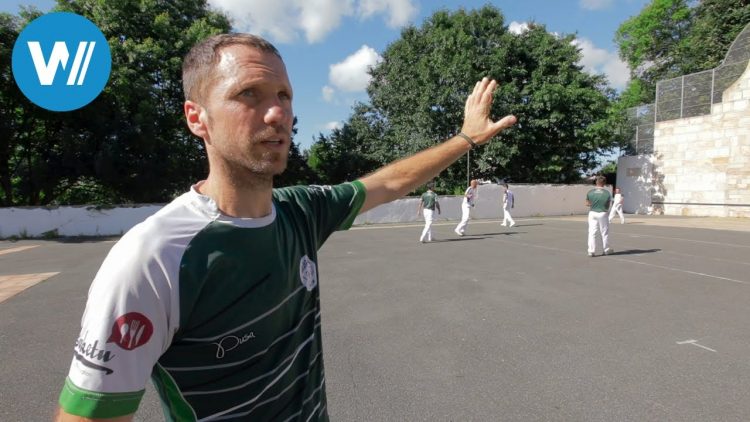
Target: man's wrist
{"type": "Point", "coordinates": [468, 139]}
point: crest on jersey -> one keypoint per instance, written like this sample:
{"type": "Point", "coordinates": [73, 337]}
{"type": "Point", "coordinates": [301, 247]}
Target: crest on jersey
{"type": "Point", "coordinates": [308, 274]}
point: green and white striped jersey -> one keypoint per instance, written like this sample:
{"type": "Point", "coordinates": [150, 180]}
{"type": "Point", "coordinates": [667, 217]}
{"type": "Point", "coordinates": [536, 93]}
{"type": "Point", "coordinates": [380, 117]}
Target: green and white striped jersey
{"type": "Point", "coordinates": [222, 313]}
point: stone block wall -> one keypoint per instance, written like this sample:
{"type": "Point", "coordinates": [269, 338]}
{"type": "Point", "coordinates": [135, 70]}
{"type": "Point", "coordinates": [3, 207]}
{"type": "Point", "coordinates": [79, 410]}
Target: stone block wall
{"type": "Point", "coordinates": [702, 164]}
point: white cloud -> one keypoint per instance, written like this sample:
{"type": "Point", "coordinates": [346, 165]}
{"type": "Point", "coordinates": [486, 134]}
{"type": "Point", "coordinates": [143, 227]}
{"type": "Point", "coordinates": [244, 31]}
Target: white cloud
{"type": "Point", "coordinates": [328, 93]}
{"type": "Point", "coordinates": [275, 19]}
{"type": "Point", "coordinates": [617, 72]}
{"type": "Point", "coordinates": [333, 125]}
{"type": "Point", "coordinates": [518, 28]}
{"type": "Point", "coordinates": [599, 60]}
{"type": "Point", "coordinates": [285, 20]}
{"type": "Point", "coordinates": [596, 4]}
{"type": "Point", "coordinates": [351, 74]}
{"type": "Point", "coordinates": [400, 12]}
{"type": "Point", "coordinates": [319, 17]}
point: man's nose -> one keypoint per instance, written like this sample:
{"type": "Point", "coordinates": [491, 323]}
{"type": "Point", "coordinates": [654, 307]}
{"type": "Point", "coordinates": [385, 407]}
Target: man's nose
{"type": "Point", "coordinates": [276, 114]}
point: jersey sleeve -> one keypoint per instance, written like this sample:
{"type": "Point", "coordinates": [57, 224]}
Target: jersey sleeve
{"type": "Point", "coordinates": [328, 208]}
{"type": "Point", "coordinates": [126, 327]}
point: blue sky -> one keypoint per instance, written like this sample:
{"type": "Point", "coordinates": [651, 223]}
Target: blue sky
{"type": "Point", "coordinates": [328, 44]}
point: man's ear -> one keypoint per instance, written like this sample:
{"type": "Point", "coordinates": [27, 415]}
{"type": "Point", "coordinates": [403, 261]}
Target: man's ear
{"type": "Point", "coordinates": [197, 119]}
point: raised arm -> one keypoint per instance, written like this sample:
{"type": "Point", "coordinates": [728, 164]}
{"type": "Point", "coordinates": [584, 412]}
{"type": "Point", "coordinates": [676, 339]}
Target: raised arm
{"type": "Point", "coordinates": [401, 177]}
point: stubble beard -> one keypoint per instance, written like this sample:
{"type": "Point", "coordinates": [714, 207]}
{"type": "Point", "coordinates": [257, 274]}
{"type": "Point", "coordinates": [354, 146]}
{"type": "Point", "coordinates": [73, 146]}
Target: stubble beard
{"type": "Point", "coordinates": [258, 170]}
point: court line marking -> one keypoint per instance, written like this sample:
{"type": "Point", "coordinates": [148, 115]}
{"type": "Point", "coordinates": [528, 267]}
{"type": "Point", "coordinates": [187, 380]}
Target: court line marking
{"type": "Point", "coordinates": [682, 271]}
{"type": "Point", "coordinates": [18, 249]}
{"type": "Point", "coordinates": [571, 252]}
{"type": "Point", "coordinates": [631, 261]}
{"type": "Point", "coordinates": [705, 257]}
{"type": "Point", "coordinates": [11, 285]}
{"type": "Point", "coordinates": [695, 343]}
{"type": "Point", "coordinates": [421, 224]}
{"type": "Point", "coordinates": [708, 242]}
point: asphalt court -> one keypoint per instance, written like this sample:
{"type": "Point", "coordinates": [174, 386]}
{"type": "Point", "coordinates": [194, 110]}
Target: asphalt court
{"type": "Point", "coordinates": [504, 324]}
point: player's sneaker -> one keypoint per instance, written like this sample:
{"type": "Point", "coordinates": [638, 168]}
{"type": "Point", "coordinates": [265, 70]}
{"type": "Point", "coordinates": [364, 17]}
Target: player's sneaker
{"type": "Point", "coordinates": [458, 232]}
{"type": "Point", "coordinates": [609, 251]}
{"type": "Point", "coordinates": [591, 254]}
{"type": "Point", "coordinates": [512, 224]}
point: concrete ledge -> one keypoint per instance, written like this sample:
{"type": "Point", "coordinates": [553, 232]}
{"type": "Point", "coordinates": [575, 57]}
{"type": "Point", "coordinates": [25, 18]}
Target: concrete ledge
{"type": "Point", "coordinates": [531, 200]}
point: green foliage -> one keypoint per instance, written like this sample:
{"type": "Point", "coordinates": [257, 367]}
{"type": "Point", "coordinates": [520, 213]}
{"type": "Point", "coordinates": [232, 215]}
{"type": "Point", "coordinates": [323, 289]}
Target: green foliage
{"type": "Point", "coordinates": [669, 38]}
{"type": "Point", "coordinates": [351, 151]}
{"type": "Point", "coordinates": [715, 26]}
{"type": "Point", "coordinates": [297, 170]}
{"type": "Point", "coordinates": [128, 145]}
{"type": "Point", "coordinates": [84, 190]}
{"type": "Point", "coordinates": [609, 168]}
{"type": "Point", "coordinates": [418, 93]}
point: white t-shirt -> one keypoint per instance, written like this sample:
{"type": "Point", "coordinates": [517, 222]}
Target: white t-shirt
{"type": "Point", "coordinates": [470, 196]}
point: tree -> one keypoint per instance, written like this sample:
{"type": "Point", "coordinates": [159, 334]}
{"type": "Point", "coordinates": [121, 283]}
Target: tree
{"type": "Point", "coordinates": [9, 104]}
{"type": "Point", "coordinates": [351, 151]}
{"type": "Point", "coordinates": [418, 91]}
{"type": "Point", "coordinates": [130, 144]}
{"type": "Point", "coordinates": [669, 38]}
{"type": "Point", "coordinates": [648, 40]}
{"type": "Point", "coordinates": [715, 26]}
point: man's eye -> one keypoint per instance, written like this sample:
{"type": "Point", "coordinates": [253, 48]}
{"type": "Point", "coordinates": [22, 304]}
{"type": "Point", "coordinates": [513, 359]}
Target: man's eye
{"type": "Point", "coordinates": [285, 95]}
{"type": "Point", "coordinates": [248, 93]}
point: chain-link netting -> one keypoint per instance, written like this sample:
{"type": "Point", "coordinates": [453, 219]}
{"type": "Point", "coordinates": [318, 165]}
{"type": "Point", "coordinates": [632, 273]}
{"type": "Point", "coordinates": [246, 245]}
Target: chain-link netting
{"type": "Point", "coordinates": [689, 95]}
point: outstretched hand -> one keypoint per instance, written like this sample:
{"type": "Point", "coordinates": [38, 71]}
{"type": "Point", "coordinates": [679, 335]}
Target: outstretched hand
{"type": "Point", "coordinates": [477, 122]}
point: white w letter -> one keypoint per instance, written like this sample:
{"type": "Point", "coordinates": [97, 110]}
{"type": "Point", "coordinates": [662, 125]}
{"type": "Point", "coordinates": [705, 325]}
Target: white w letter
{"type": "Point", "coordinates": [46, 71]}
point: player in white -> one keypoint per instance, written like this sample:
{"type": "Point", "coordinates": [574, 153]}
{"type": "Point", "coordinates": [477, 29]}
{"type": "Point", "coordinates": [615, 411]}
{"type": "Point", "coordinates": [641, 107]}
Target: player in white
{"type": "Point", "coordinates": [428, 203]}
{"type": "Point", "coordinates": [466, 205]}
{"type": "Point", "coordinates": [508, 203]}
{"type": "Point", "coordinates": [617, 207]}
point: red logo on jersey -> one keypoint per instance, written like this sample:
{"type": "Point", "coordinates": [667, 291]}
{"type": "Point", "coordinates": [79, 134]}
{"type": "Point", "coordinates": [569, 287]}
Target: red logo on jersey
{"type": "Point", "coordinates": [131, 330]}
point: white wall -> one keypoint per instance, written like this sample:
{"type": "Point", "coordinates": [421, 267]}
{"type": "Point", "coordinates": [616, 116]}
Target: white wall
{"type": "Point", "coordinates": [71, 221]}
{"type": "Point", "coordinates": [703, 162]}
{"type": "Point", "coordinates": [635, 180]}
{"type": "Point", "coordinates": [531, 200]}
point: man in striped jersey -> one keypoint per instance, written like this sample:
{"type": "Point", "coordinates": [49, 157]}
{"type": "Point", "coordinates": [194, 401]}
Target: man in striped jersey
{"type": "Point", "coordinates": [216, 297]}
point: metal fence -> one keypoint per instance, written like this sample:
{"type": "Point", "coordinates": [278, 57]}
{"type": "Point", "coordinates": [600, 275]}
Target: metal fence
{"type": "Point", "coordinates": [642, 118]}
{"type": "Point", "coordinates": [689, 95]}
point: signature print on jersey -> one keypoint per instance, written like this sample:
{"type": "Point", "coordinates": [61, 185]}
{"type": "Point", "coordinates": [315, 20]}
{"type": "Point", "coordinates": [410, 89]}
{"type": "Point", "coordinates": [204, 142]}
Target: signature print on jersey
{"type": "Point", "coordinates": [131, 330]}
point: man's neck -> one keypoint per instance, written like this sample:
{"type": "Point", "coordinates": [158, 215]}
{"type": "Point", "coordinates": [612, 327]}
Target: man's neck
{"type": "Point", "coordinates": [251, 199]}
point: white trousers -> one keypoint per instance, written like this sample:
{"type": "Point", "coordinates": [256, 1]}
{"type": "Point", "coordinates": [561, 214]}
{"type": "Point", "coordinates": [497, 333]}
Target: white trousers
{"type": "Point", "coordinates": [598, 223]}
{"type": "Point", "coordinates": [465, 211]}
{"type": "Point", "coordinates": [427, 232]}
{"type": "Point", "coordinates": [507, 218]}
{"type": "Point", "coordinates": [618, 210]}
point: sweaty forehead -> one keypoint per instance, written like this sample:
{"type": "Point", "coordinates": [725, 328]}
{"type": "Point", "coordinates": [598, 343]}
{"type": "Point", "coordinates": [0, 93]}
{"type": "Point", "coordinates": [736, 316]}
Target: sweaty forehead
{"type": "Point", "coordinates": [240, 62]}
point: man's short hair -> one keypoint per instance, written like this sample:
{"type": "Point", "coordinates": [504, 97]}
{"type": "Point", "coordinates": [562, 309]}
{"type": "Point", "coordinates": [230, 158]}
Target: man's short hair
{"type": "Point", "coordinates": [200, 62]}
{"type": "Point", "coordinates": [600, 180]}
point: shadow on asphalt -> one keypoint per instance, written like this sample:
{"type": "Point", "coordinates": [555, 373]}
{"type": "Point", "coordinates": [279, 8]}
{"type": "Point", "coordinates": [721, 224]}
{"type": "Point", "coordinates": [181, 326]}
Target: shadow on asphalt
{"type": "Point", "coordinates": [460, 239]}
{"type": "Point", "coordinates": [84, 239]}
{"type": "Point", "coordinates": [634, 252]}
{"type": "Point", "coordinates": [496, 234]}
